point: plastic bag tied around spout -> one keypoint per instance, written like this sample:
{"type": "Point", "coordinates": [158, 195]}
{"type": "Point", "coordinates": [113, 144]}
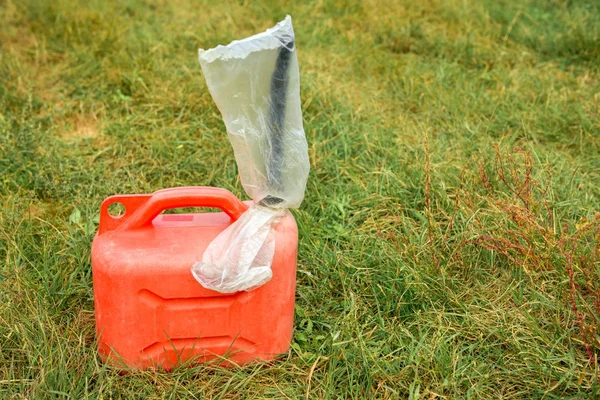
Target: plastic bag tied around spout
{"type": "Point", "coordinates": [256, 85]}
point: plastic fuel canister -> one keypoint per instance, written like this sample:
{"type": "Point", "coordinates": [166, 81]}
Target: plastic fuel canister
{"type": "Point", "coordinates": [151, 312]}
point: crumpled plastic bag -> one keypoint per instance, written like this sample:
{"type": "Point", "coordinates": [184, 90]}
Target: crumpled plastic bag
{"type": "Point", "coordinates": [246, 248]}
{"type": "Point", "coordinates": [255, 83]}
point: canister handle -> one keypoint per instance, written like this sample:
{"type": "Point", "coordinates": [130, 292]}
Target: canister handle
{"type": "Point", "coordinates": [140, 210]}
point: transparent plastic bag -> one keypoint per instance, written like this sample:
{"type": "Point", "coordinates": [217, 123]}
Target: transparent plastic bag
{"type": "Point", "coordinates": [240, 257]}
{"type": "Point", "coordinates": [256, 85]}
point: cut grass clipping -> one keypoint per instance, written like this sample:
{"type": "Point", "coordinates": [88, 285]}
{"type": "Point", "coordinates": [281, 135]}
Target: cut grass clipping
{"type": "Point", "coordinates": [449, 239]}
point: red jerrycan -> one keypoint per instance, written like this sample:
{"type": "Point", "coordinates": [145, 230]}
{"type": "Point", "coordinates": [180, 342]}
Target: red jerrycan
{"type": "Point", "coordinates": [151, 312]}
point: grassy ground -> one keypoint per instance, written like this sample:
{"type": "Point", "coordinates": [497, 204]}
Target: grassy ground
{"type": "Point", "coordinates": [450, 233]}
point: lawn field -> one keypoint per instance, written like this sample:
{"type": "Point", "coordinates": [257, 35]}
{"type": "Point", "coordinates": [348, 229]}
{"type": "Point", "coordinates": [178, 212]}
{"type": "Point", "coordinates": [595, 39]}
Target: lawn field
{"type": "Point", "coordinates": [450, 233]}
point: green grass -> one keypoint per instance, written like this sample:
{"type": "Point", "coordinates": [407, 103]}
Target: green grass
{"type": "Point", "coordinates": [449, 239]}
